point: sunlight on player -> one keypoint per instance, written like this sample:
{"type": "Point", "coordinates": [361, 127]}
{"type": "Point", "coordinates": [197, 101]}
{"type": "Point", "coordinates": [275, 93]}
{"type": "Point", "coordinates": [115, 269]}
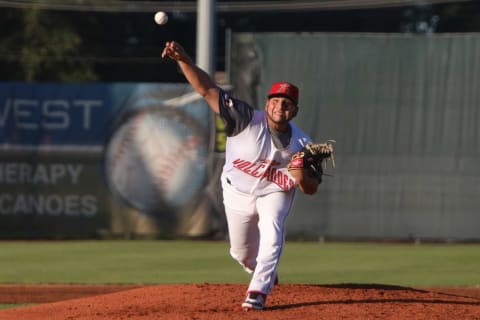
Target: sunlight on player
{"type": "Point", "coordinates": [258, 190]}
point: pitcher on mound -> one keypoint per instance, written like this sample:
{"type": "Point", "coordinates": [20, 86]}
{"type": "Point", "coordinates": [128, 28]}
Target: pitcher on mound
{"type": "Point", "coordinates": [258, 189]}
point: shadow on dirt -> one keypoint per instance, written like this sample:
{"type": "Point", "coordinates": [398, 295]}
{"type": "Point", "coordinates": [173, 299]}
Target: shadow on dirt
{"type": "Point", "coordinates": [380, 289]}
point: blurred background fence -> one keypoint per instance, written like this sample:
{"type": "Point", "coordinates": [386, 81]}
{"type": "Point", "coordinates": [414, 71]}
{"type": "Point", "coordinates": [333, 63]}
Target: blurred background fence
{"type": "Point", "coordinates": [402, 105]}
{"type": "Point", "coordinates": [405, 112]}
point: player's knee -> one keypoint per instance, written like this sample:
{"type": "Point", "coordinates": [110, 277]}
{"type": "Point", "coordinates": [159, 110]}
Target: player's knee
{"type": "Point", "coordinates": [241, 256]}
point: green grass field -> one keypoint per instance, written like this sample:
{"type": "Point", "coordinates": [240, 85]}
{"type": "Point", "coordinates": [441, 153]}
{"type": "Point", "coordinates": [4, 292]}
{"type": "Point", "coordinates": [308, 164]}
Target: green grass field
{"type": "Point", "coordinates": [5, 306]}
{"type": "Point", "coordinates": [157, 262]}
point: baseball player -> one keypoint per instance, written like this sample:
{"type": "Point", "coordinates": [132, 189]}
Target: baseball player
{"type": "Point", "coordinates": [258, 190]}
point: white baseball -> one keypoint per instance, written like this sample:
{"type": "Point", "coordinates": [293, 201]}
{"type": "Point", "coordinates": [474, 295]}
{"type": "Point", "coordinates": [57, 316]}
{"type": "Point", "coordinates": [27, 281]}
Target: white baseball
{"type": "Point", "coordinates": [161, 17]}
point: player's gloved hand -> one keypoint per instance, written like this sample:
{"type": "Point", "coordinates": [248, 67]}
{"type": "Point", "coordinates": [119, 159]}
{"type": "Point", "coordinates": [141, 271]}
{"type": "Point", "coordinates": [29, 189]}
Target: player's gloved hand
{"type": "Point", "coordinates": [310, 162]}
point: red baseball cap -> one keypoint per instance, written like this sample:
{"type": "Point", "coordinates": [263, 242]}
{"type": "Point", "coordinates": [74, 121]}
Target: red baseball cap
{"type": "Point", "coordinates": [284, 89]}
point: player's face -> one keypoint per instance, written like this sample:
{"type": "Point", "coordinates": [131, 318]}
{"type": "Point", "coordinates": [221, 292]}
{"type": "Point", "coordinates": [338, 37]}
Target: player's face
{"type": "Point", "coordinates": [280, 110]}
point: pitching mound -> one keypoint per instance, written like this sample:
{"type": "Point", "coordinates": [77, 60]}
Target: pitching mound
{"type": "Point", "coordinates": [222, 301]}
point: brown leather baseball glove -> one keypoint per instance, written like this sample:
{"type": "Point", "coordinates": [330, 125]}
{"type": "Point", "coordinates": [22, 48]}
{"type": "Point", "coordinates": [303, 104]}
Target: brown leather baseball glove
{"type": "Point", "coordinates": [310, 161]}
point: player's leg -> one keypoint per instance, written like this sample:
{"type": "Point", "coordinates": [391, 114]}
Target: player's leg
{"type": "Point", "coordinates": [273, 210]}
{"type": "Point", "coordinates": [242, 221]}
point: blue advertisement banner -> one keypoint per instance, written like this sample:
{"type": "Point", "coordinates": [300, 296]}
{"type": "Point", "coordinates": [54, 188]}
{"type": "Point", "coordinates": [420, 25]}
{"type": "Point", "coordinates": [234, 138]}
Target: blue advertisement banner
{"type": "Point", "coordinates": [80, 114]}
{"type": "Point", "coordinates": [54, 114]}
{"type": "Point", "coordinates": [73, 155]}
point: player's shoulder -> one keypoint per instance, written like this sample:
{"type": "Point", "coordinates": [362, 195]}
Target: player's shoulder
{"type": "Point", "coordinates": [236, 114]}
{"type": "Point", "coordinates": [299, 135]}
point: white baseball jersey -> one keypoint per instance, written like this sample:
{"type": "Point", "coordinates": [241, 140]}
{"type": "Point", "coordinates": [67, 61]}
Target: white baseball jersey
{"type": "Point", "coordinates": [254, 163]}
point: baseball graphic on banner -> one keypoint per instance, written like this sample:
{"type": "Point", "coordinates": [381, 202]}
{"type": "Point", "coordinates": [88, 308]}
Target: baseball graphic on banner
{"type": "Point", "coordinates": [157, 159]}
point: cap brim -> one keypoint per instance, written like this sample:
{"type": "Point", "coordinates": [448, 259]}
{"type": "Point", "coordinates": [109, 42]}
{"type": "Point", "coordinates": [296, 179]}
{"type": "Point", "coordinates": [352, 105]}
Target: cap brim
{"type": "Point", "coordinates": [282, 95]}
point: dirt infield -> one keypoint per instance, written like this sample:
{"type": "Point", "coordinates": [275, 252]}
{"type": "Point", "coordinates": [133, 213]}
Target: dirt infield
{"type": "Point", "coordinates": [222, 301]}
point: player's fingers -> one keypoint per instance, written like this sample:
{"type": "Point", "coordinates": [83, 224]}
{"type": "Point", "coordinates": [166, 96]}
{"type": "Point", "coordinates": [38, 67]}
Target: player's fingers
{"type": "Point", "coordinates": [168, 44]}
{"type": "Point", "coordinates": [168, 52]}
{"type": "Point", "coordinates": [172, 45]}
{"type": "Point", "coordinates": [165, 50]}
{"type": "Point", "coordinates": [172, 50]}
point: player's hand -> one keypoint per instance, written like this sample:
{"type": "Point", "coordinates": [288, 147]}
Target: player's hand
{"type": "Point", "coordinates": [305, 181]}
{"type": "Point", "coordinates": [175, 51]}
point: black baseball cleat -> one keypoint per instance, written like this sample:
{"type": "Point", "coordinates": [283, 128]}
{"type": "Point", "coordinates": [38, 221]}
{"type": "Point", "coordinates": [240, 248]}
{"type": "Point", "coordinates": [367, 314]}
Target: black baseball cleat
{"type": "Point", "coordinates": [254, 301]}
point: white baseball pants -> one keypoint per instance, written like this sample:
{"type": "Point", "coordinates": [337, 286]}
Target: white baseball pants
{"type": "Point", "coordinates": [256, 228]}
